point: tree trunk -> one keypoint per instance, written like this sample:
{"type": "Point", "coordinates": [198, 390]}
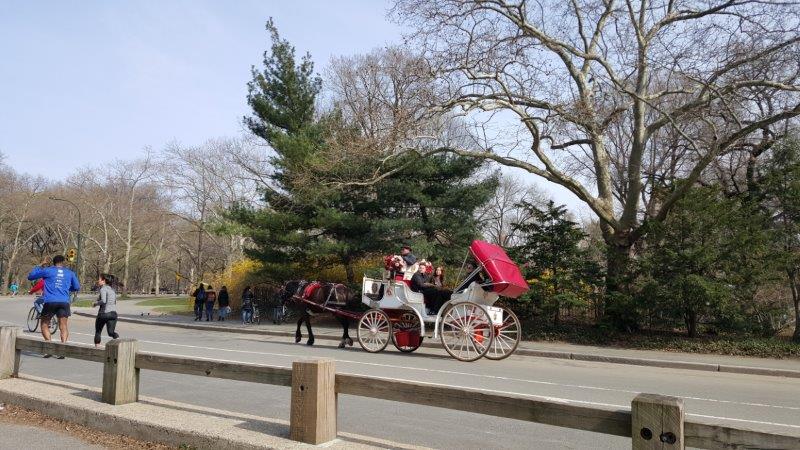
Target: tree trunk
{"type": "Point", "coordinates": [12, 258]}
{"type": "Point", "coordinates": [690, 317]}
{"type": "Point", "coordinates": [128, 249]}
{"type": "Point", "coordinates": [430, 233]}
{"type": "Point", "coordinates": [158, 280]}
{"type": "Point", "coordinates": [618, 260]}
{"type": "Point", "coordinates": [792, 275]}
{"type": "Point", "coordinates": [348, 268]}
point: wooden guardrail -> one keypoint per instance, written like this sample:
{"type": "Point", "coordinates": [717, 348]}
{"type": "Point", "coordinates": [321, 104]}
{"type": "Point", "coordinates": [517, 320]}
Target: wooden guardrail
{"type": "Point", "coordinates": [653, 422]}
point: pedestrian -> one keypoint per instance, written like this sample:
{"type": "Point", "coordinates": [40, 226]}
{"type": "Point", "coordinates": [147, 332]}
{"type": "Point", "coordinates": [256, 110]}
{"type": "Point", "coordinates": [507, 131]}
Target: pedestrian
{"type": "Point", "coordinates": [59, 282]}
{"type": "Point", "coordinates": [224, 301]}
{"type": "Point", "coordinates": [107, 314]}
{"type": "Point", "coordinates": [211, 297]}
{"type": "Point", "coordinates": [247, 305]}
{"type": "Point", "coordinates": [14, 288]}
{"type": "Point", "coordinates": [199, 295]}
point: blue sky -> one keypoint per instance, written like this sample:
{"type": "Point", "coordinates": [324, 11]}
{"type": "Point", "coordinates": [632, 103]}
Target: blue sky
{"type": "Point", "coordinates": [82, 82]}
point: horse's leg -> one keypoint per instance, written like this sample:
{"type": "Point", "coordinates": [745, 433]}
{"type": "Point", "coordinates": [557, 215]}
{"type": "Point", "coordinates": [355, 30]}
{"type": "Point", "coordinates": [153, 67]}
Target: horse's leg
{"type": "Point", "coordinates": [297, 335]}
{"type": "Point", "coordinates": [343, 322]}
{"type": "Point", "coordinates": [308, 327]}
{"type": "Point", "coordinates": [346, 325]}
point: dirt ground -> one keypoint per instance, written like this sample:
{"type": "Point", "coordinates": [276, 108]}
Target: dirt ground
{"type": "Point", "coordinates": [21, 416]}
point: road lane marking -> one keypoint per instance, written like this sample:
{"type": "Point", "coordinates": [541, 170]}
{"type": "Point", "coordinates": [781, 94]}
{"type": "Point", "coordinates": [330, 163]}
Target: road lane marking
{"type": "Point", "coordinates": [746, 421]}
{"type": "Point", "coordinates": [450, 372]}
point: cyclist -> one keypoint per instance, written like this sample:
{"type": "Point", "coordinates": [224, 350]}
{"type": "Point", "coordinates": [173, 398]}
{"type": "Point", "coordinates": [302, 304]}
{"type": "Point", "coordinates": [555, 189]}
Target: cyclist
{"type": "Point", "coordinates": [38, 289]}
{"type": "Point", "coordinates": [59, 282]}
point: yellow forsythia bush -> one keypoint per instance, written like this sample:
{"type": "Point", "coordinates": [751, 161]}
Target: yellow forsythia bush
{"type": "Point", "coordinates": [242, 273]}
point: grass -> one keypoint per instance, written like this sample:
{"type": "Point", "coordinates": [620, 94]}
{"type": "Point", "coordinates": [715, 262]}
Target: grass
{"type": "Point", "coordinates": [164, 301]}
{"type": "Point", "coordinates": [735, 345]}
{"type": "Point", "coordinates": [168, 304]}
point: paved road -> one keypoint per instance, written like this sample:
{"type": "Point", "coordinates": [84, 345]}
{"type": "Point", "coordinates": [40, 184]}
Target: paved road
{"type": "Point", "coordinates": [741, 397]}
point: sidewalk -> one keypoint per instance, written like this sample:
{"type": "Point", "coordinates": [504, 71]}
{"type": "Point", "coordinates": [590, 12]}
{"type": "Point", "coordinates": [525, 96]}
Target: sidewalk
{"type": "Point", "coordinates": [22, 436]}
{"type": "Point", "coordinates": [156, 420]}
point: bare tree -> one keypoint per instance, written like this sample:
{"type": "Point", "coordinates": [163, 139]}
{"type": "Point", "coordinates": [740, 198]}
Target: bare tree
{"type": "Point", "coordinates": [576, 74]}
{"type": "Point", "coordinates": [204, 181]}
{"type": "Point", "coordinates": [503, 211]}
{"type": "Point", "coordinates": [131, 179]}
{"type": "Point", "coordinates": [20, 201]}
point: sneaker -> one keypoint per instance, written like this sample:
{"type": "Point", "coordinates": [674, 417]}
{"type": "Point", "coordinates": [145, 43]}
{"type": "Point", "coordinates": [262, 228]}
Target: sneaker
{"type": "Point", "coordinates": [47, 355]}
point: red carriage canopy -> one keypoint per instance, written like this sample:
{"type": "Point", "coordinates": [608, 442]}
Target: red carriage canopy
{"type": "Point", "coordinates": [507, 280]}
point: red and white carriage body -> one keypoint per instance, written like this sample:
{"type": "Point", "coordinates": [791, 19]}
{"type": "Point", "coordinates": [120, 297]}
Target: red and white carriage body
{"type": "Point", "coordinates": [468, 325]}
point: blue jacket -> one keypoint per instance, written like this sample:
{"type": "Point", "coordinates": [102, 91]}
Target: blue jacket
{"type": "Point", "coordinates": [58, 283]}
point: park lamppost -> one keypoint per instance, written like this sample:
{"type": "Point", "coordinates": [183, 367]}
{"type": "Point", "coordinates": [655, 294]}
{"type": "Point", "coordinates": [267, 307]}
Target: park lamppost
{"type": "Point", "coordinates": [79, 259]}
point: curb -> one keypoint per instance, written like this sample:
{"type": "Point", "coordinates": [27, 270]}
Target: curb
{"type": "Point", "coordinates": [167, 422]}
{"type": "Point", "coordinates": [687, 365]}
{"type": "Point", "coordinates": [113, 424]}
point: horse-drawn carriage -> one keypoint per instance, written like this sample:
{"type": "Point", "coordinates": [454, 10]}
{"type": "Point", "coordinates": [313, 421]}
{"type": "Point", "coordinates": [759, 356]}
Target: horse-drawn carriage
{"type": "Point", "coordinates": [468, 325]}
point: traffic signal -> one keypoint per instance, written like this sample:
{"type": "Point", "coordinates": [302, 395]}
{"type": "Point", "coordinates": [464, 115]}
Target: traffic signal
{"type": "Point", "coordinates": [71, 254]}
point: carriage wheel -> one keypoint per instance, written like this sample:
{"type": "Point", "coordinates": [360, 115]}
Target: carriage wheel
{"type": "Point", "coordinates": [374, 331]}
{"type": "Point", "coordinates": [408, 322]}
{"type": "Point", "coordinates": [466, 331]}
{"type": "Point", "coordinates": [506, 336]}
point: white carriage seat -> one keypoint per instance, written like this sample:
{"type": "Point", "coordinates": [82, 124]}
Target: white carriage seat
{"type": "Point", "coordinates": [411, 296]}
{"type": "Point", "coordinates": [476, 294]}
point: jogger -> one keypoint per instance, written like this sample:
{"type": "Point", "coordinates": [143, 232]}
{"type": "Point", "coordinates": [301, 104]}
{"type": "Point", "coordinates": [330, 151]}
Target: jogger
{"type": "Point", "coordinates": [107, 314]}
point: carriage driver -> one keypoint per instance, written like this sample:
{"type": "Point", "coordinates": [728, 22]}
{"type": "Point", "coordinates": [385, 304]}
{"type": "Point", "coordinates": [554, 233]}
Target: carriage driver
{"type": "Point", "coordinates": [408, 257]}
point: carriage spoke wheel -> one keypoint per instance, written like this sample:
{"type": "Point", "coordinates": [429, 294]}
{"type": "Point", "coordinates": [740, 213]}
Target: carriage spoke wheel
{"type": "Point", "coordinates": [374, 331]}
{"type": "Point", "coordinates": [466, 331]}
{"type": "Point", "coordinates": [408, 322]}
{"type": "Point", "coordinates": [506, 336]}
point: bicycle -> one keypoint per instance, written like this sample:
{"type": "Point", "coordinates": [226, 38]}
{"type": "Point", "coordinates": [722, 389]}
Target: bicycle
{"type": "Point", "coordinates": [34, 318]}
{"type": "Point", "coordinates": [255, 317]}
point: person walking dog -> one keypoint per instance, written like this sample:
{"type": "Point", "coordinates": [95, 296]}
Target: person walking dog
{"type": "Point", "coordinates": [107, 314]}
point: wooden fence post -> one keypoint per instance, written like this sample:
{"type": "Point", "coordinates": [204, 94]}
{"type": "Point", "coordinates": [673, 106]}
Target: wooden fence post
{"type": "Point", "coordinates": [120, 375]}
{"type": "Point", "coordinates": [9, 356]}
{"type": "Point", "coordinates": [313, 409]}
{"type": "Point", "coordinates": [657, 422]}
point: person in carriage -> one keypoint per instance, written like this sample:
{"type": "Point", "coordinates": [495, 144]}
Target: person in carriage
{"type": "Point", "coordinates": [434, 295]}
{"type": "Point", "coordinates": [403, 266]}
{"type": "Point", "coordinates": [408, 257]}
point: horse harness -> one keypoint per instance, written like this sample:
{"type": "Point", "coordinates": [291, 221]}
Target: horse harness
{"type": "Point", "coordinates": [305, 289]}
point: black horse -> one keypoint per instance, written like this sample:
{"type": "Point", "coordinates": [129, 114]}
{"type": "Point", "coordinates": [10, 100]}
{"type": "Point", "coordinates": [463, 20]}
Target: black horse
{"type": "Point", "coordinates": [333, 294]}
